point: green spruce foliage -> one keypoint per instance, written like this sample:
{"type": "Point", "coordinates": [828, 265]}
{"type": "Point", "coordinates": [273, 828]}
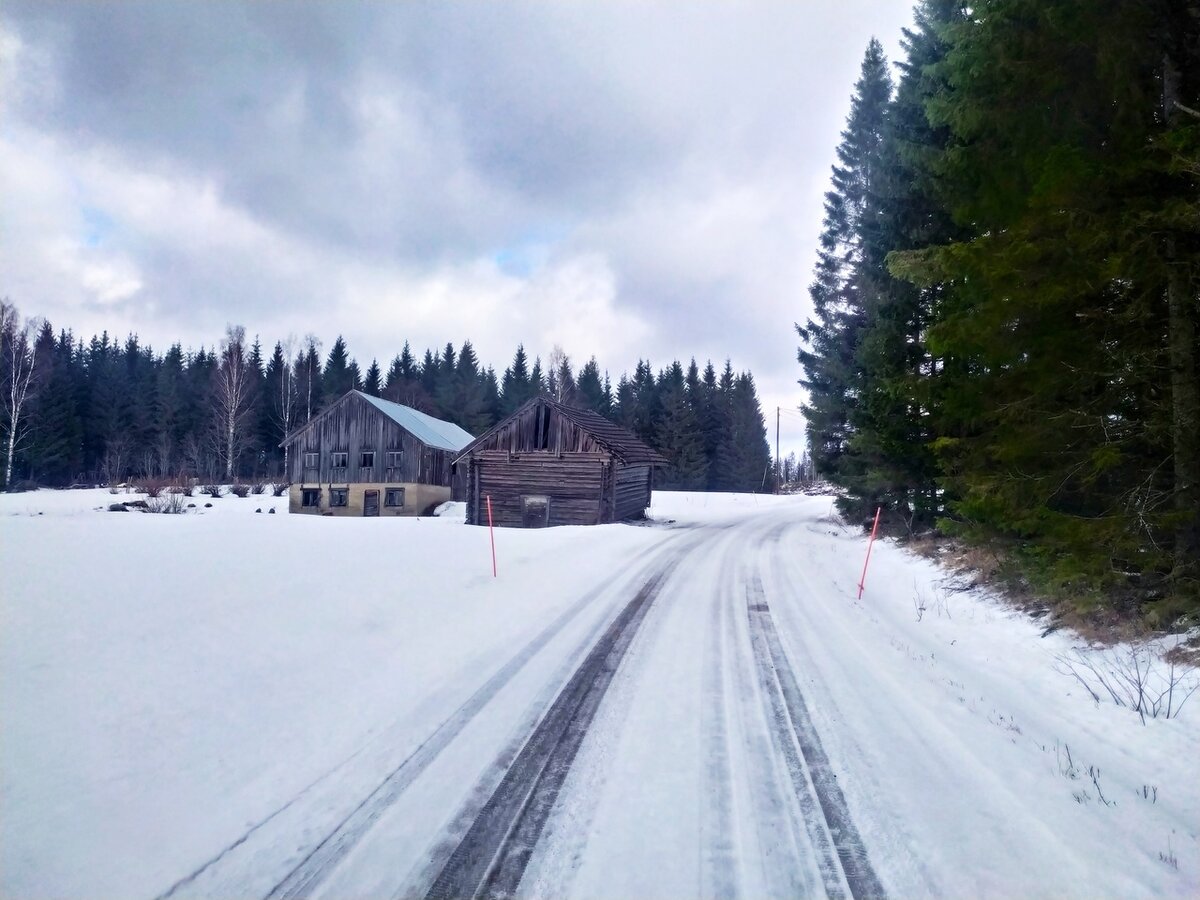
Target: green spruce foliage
{"type": "Point", "coordinates": [1007, 298]}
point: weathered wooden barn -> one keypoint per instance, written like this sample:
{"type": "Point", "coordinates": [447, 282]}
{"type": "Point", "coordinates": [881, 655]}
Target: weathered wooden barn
{"type": "Point", "coordinates": [551, 464]}
{"type": "Point", "coordinates": [363, 456]}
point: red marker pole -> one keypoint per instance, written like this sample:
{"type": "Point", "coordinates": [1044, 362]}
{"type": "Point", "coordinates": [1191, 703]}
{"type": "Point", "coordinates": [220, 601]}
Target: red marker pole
{"type": "Point", "coordinates": [492, 534]}
{"type": "Point", "coordinates": [874, 528]}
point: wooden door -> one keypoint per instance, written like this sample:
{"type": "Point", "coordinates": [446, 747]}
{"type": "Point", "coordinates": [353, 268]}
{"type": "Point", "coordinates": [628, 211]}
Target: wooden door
{"type": "Point", "coordinates": [371, 503]}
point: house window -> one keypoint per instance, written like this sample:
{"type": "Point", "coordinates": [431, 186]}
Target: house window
{"type": "Point", "coordinates": [339, 496]}
{"type": "Point", "coordinates": [311, 460]}
{"type": "Point", "coordinates": [339, 460]}
{"type": "Point", "coordinates": [367, 459]}
{"type": "Point", "coordinates": [310, 497]}
{"type": "Point", "coordinates": [395, 459]}
{"type": "Point", "coordinates": [394, 497]}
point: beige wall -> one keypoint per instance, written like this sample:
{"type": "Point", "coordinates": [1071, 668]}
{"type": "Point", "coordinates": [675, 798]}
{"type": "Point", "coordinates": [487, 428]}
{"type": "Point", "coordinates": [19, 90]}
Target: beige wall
{"type": "Point", "coordinates": [417, 499]}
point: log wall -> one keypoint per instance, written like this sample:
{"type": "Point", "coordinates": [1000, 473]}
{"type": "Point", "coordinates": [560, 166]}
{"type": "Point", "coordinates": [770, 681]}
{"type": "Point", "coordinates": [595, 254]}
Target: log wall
{"type": "Point", "coordinates": [632, 491]}
{"type": "Point", "coordinates": [575, 485]}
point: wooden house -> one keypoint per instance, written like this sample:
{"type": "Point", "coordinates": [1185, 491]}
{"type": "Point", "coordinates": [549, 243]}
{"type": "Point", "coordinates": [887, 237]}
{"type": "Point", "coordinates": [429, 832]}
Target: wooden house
{"type": "Point", "coordinates": [363, 456]}
{"type": "Point", "coordinates": [551, 464]}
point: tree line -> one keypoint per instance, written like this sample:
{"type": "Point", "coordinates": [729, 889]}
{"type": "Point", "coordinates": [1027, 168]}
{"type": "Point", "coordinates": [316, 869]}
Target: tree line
{"type": "Point", "coordinates": [108, 410]}
{"type": "Point", "coordinates": [1007, 292]}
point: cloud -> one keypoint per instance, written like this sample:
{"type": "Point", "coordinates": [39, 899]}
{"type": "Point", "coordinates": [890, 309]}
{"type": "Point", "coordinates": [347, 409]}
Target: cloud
{"type": "Point", "coordinates": [629, 180]}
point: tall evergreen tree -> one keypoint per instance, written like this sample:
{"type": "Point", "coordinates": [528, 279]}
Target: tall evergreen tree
{"type": "Point", "coordinates": [372, 380]}
{"type": "Point", "coordinates": [849, 255]}
{"type": "Point", "coordinates": [337, 377]}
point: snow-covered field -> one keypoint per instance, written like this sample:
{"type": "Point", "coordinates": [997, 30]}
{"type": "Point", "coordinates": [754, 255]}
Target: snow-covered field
{"type": "Point", "coordinates": [228, 703]}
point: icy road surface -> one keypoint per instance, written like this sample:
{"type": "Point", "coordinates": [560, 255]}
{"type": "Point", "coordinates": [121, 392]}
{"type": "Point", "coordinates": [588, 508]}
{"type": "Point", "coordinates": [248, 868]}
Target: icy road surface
{"type": "Point", "coordinates": [225, 704]}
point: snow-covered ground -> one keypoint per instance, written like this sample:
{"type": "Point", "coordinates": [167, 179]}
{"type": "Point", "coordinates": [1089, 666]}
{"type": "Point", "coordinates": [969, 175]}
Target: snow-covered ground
{"type": "Point", "coordinates": [236, 704]}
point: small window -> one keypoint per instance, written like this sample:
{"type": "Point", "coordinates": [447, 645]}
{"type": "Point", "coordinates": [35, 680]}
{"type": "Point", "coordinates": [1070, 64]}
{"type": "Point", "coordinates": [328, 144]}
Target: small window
{"type": "Point", "coordinates": [394, 497]}
{"type": "Point", "coordinates": [339, 496]}
{"type": "Point", "coordinates": [535, 511]}
{"type": "Point", "coordinates": [395, 459]}
{"type": "Point", "coordinates": [367, 459]}
{"type": "Point", "coordinates": [312, 460]}
{"type": "Point", "coordinates": [339, 460]}
{"type": "Point", "coordinates": [310, 497]}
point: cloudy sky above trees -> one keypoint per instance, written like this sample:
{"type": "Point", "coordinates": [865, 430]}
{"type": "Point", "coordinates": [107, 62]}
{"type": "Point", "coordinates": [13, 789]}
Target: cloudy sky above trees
{"type": "Point", "coordinates": [626, 180]}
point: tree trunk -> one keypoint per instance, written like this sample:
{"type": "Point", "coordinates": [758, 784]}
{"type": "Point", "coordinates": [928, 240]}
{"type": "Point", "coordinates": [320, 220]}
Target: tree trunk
{"type": "Point", "coordinates": [1183, 304]}
{"type": "Point", "coordinates": [1183, 312]}
{"type": "Point", "coordinates": [8, 459]}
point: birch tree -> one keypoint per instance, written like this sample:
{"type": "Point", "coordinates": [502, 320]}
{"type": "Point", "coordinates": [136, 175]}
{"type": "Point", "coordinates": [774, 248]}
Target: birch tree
{"type": "Point", "coordinates": [231, 396]}
{"type": "Point", "coordinates": [19, 356]}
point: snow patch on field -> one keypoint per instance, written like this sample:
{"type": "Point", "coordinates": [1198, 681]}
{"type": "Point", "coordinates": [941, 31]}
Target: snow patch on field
{"type": "Point", "coordinates": [167, 682]}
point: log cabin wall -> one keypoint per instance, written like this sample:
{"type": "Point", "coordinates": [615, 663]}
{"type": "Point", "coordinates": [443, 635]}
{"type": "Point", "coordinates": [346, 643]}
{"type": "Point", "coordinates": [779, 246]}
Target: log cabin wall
{"type": "Point", "coordinates": [573, 458]}
{"type": "Point", "coordinates": [574, 486]}
{"type": "Point", "coordinates": [632, 491]}
{"type": "Point", "coordinates": [353, 426]}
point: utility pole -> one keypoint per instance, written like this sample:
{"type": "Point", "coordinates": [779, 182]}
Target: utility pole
{"type": "Point", "coordinates": [778, 468]}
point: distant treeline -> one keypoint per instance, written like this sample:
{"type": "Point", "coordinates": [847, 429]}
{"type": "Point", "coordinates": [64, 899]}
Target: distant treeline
{"type": "Point", "coordinates": [105, 410]}
{"type": "Point", "coordinates": [1006, 336]}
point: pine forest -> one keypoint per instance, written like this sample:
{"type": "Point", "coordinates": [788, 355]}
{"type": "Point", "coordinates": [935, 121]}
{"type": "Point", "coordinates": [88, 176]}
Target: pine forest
{"type": "Point", "coordinates": [105, 411]}
{"type": "Point", "coordinates": [1007, 296]}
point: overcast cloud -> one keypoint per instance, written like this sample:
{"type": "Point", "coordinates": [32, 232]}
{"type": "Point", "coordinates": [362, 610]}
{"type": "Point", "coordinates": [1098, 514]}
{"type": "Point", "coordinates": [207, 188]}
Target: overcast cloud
{"type": "Point", "coordinates": [627, 180]}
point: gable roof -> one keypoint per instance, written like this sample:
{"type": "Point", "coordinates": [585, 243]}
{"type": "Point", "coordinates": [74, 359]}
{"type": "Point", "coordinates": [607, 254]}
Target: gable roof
{"type": "Point", "coordinates": [435, 433]}
{"type": "Point", "coordinates": [621, 442]}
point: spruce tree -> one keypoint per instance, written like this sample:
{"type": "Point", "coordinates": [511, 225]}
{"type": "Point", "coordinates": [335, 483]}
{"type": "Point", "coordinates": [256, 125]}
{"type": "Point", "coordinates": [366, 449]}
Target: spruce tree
{"type": "Point", "coordinates": [372, 380]}
{"type": "Point", "coordinates": [846, 259]}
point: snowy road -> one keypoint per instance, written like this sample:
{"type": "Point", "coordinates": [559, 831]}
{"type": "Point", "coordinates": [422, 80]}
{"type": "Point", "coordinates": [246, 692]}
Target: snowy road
{"type": "Point", "coordinates": [714, 715]}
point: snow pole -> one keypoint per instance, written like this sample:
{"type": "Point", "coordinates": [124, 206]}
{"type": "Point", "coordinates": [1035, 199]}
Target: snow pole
{"type": "Point", "coordinates": [874, 528]}
{"type": "Point", "coordinates": [491, 534]}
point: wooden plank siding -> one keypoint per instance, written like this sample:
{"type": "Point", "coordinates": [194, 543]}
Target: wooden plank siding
{"type": "Point", "coordinates": [575, 485]}
{"type": "Point", "coordinates": [590, 470]}
{"type": "Point", "coordinates": [353, 426]}
{"type": "Point", "coordinates": [632, 491]}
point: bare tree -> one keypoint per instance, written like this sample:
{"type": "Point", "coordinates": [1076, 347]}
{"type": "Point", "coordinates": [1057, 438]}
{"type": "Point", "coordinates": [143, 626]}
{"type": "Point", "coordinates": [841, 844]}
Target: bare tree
{"type": "Point", "coordinates": [19, 354]}
{"type": "Point", "coordinates": [312, 354]}
{"type": "Point", "coordinates": [116, 460]}
{"type": "Point", "coordinates": [231, 396]}
{"type": "Point", "coordinates": [559, 365]}
{"type": "Point", "coordinates": [284, 397]}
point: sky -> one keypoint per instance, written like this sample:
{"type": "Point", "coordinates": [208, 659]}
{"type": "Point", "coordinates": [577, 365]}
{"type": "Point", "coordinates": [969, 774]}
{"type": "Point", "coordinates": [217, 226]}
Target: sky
{"type": "Point", "coordinates": [624, 180]}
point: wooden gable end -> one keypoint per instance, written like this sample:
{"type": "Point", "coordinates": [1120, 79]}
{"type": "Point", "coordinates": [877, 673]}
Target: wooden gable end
{"type": "Point", "coordinates": [337, 438]}
{"type": "Point", "coordinates": [539, 427]}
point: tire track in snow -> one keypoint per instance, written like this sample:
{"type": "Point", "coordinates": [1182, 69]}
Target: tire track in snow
{"type": "Point", "coordinates": [491, 857]}
{"type": "Point", "coordinates": [832, 829]}
{"type": "Point", "coordinates": [718, 859]}
{"type": "Point", "coordinates": [326, 855]}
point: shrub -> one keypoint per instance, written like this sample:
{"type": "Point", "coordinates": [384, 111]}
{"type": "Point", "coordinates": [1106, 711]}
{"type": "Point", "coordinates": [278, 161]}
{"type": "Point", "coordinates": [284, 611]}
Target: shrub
{"type": "Point", "coordinates": [183, 487]}
{"type": "Point", "coordinates": [213, 490]}
{"type": "Point", "coordinates": [167, 504]}
{"type": "Point", "coordinates": [152, 487]}
{"type": "Point", "coordinates": [258, 487]}
{"type": "Point", "coordinates": [278, 490]}
{"type": "Point", "coordinates": [239, 489]}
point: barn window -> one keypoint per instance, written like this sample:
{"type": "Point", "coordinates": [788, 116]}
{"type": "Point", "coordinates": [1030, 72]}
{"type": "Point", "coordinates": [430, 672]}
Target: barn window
{"type": "Point", "coordinates": [339, 496]}
{"type": "Point", "coordinates": [367, 459]}
{"type": "Point", "coordinates": [395, 459]}
{"type": "Point", "coordinates": [535, 511]}
{"type": "Point", "coordinates": [339, 460]}
{"type": "Point", "coordinates": [310, 497]}
{"type": "Point", "coordinates": [311, 460]}
{"type": "Point", "coordinates": [394, 497]}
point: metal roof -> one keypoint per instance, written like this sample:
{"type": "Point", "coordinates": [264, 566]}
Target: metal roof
{"type": "Point", "coordinates": [429, 431]}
